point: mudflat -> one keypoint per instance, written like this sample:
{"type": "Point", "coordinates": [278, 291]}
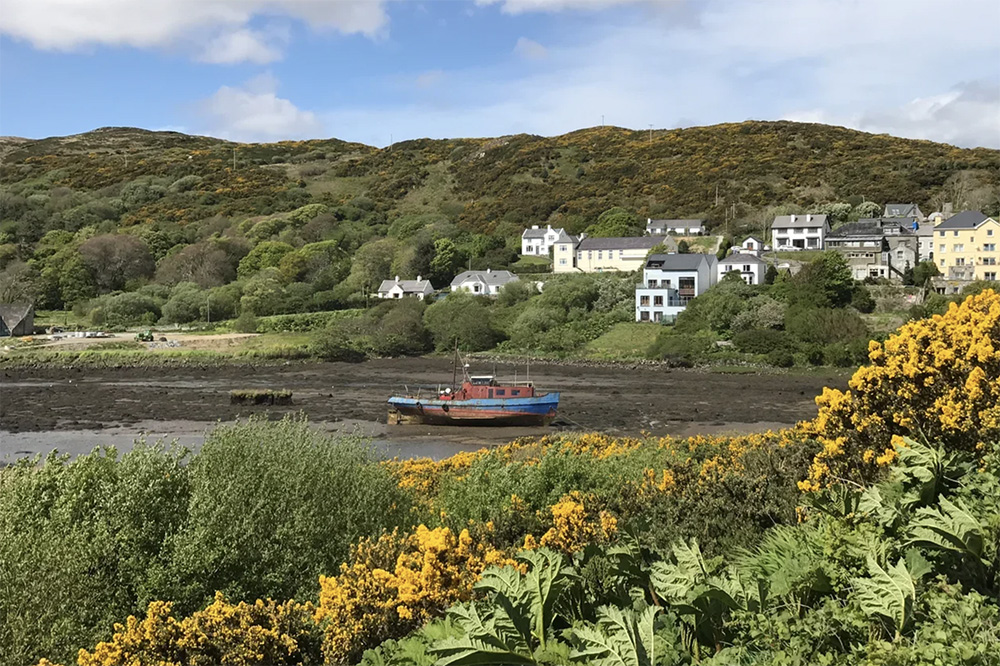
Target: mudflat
{"type": "Point", "coordinates": [619, 399]}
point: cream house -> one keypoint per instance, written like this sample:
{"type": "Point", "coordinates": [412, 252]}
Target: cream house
{"type": "Point", "coordinates": [598, 255]}
{"type": "Point", "coordinates": [966, 247]}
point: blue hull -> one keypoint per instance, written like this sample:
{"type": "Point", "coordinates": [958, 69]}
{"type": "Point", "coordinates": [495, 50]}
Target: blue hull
{"type": "Point", "coordinates": [539, 410]}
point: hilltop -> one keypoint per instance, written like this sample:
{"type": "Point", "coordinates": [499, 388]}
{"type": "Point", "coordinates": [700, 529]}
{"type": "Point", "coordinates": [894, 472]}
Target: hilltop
{"type": "Point", "coordinates": [122, 209]}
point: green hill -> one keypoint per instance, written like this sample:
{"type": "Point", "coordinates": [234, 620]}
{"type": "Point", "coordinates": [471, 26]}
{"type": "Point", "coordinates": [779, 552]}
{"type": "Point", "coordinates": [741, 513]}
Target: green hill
{"type": "Point", "coordinates": [172, 191]}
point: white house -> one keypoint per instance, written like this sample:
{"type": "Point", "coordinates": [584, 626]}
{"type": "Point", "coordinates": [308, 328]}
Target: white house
{"type": "Point", "coordinates": [677, 227]}
{"type": "Point", "coordinates": [752, 245]}
{"type": "Point", "coordinates": [750, 267]}
{"type": "Point", "coordinates": [536, 242]}
{"type": "Point", "coordinates": [485, 283]}
{"type": "Point", "coordinates": [669, 282]}
{"type": "Point", "coordinates": [400, 288]}
{"type": "Point", "coordinates": [799, 232]}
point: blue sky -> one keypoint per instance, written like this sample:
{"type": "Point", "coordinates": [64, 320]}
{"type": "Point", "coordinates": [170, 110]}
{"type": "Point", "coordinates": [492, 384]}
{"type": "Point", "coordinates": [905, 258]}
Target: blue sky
{"type": "Point", "coordinates": [375, 70]}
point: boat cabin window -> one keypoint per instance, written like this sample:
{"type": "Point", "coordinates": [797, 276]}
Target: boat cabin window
{"type": "Point", "coordinates": [500, 391]}
{"type": "Point", "coordinates": [482, 380]}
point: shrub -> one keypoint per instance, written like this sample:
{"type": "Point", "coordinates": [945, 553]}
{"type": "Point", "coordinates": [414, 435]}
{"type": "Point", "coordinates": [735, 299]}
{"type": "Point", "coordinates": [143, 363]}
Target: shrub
{"type": "Point", "coordinates": [246, 322]}
{"type": "Point", "coordinates": [680, 349]}
{"type": "Point", "coordinates": [935, 378]}
{"type": "Point", "coordinates": [825, 325]}
{"type": "Point", "coordinates": [780, 358]}
{"type": "Point", "coordinates": [762, 341]}
{"type": "Point", "coordinates": [461, 319]}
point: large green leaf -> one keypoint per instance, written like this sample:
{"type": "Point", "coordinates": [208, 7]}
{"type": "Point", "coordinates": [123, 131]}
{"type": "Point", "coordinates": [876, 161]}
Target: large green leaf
{"type": "Point", "coordinates": [948, 527]}
{"type": "Point", "coordinates": [888, 593]}
{"type": "Point", "coordinates": [621, 638]}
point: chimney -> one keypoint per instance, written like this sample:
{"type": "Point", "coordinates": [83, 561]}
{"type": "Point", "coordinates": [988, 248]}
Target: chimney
{"type": "Point", "coordinates": [397, 278]}
{"type": "Point", "coordinates": [793, 218]}
{"type": "Point", "coordinates": [549, 227]}
{"type": "Point", "coordinates": [488, 270]}
{"type": "Point", "coordinates": [419, 278]}
{"type": "Point", "coordinates": [534, 226]}
{"type": "Point", "coordinates": [809, 217]}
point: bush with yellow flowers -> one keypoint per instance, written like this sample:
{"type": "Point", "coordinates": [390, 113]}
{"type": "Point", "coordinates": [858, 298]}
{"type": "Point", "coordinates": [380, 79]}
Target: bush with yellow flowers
{"type": "Point", "coordinates": [936, 379]}
{"type": "Point", "coordinates": [240, 634]}
{"type": "Point", "coordinates": [395, 584]}
{"type": "Point", "coordinates": [574, 527]}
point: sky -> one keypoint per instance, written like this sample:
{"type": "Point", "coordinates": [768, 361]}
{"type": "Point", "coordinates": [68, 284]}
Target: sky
{"type": "Point", "coordinates": [378, 71]}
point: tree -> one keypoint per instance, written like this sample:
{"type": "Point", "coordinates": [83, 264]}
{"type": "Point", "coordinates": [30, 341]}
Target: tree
{"type": "Point", "coordinates": [115, 260]}
{"type": "Point", "coordinates": [824, 282]}
{"type": "Point", "coordinates": [771, 274]}
{"type": "Point", "coordinates": [683, 247]}
{"type": "Point", "coordinates": [264, 255]}
{"type": "Point", "coordinates": [371, 265]}
{"type": "Point", "coordinates": [837, 212]}
{"type": "Point", "coordinates": [866, 209]}
{"type": "Point", "coordinates": [615, 223]}
{"type": "Point", "coordinates": [461, 319]}
{"type": "Point", "coordinates": [923, 272]}
{"type": "Point", "coordinates": [202, 263]}
{"type": "Point", "coordinates": [18, 283]}
{"type": "Point", "coordinates": [447, 260]}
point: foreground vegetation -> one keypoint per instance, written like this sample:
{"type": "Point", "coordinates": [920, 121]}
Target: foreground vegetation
{"type": "Point", "coordinates": [866, 536]}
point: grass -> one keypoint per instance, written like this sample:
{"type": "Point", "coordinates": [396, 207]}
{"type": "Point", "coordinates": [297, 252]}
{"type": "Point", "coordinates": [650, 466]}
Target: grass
{"type": "Point", "coordinates": [624, 340]}
{"type": "Point", "coordinates": [701, 244]}
{"type": "Point", "coordinates": [524, 262]}
{"type": "Point", "coordinates": [800, 255]}
{"type": "Point", "coordinates": [63, 318]}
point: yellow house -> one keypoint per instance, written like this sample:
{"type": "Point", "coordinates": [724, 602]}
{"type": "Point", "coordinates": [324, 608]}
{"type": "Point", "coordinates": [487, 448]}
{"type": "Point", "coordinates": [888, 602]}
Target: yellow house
{"type": "Point", "coordinates": [965, 247]}
{"type": "Point", "coordinates": [597, 255]}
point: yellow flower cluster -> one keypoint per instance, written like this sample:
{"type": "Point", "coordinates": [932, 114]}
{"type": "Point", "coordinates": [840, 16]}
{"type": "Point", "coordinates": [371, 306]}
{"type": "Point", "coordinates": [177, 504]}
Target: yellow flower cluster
{"type": "Point", "coordinates": [423, 475]}
{"type": "Point", "coordinates": [396, 583]}
{"type": "Point", "coordinates": [936, 378]}
{"type": "Point", "coordinates": [573, 527]}
{"type": "Point", "coordinates": [223, 633]}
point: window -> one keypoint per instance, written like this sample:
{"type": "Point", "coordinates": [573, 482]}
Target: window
{"type": "Point", "coordinates": [501, 391]}
{"type": "Point", "coordinates": [644, 301]}
{"type": "Point", "coordinates": [941, 233]}
{"type": "Point", "coordinates": [942, 262]}
{"type": "Point", "coordinates": [621, 254]}
{"type": "Point", "coordinates": [960, 261]}
{"type": "Point", "coordinates": [989, 247]}
{"type": "Point", "coordinates": [475, 288]}
{"type": "Point", "coordinates": [657, 316]}
{"type": "Point", "coordinates": [989, 232]}
{"type": "Point", "coordinates": [590, 254]}
{"type": "Point", "coordinates": [746, 268]}
{"type": "Point", "coordinates": [954, 233]}
{"type": "Point", "coordinates": [990, 276]}
{"type": "Point", "coordinates": [989, 261]}
{"type": "Point", "coordinates": [958, 247]}
{"type": "Point", "coordinates": [652, 284]}
{"type": "Point", "coordinates": [658, 301]}
{"type": "Point", "coordinates": [644, 316]}
{"type": "Point", "coordinates": [600, 254]}
{"type": "Point", "coordinates": [944, 248]}
{"type": "Point", "coordinates": [562, 262]}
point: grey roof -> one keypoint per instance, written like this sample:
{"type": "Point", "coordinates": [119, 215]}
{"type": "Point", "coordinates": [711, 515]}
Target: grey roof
{"type": "Point", "coordinates": [628, 243]}
{"type": "Point", "coordinates": [13, 314]}
{"type": "Point", "coordinates": [754, 238]}
{"type": "Point", "coordinates": [874, 226]}
{"type": "Point", "coordinates": [902, 210]}
{"type": "Point", "coordinates": [675, 223]}
{"type": "Point", "coordinates": [491, 278]}
{"type": "Point", "coordinates": [741, 258]}
{"type": "Point", "coordinates": [566, 238]}
{"type": "Point", "coordinates": [408, 286]}
{"type": "Point", "coordinates": [790, 221]}
{"type": "Point", "coordinates": [967, 219]}
{"type": "Point", "coordinates": [538, 233]}
{"type": "Point", "coordinates": [679, 262]}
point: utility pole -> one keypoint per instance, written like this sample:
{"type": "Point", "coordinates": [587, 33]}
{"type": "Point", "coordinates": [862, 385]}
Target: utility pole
{"type": "Point", "coordinates": [602, 120]}
{"type": "Point", "coordinates": [234, 158]}
{"type": "Point", "coordinates": [651, 134]}
{"type": "Point", "coordinates": [208, 308]}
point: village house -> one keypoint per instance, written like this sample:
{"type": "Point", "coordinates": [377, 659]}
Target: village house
{"type": "Point", "coordinates": [903, 210]}
{"type": "Point", "coordinates": [17, 319]}
{"type": "Point", "coordinates": [669, 282]}
{"type": "Point", "coordinates": [397, 288]}
{"type": "Point", "coordinates": [484, 283]}
{"type": "Point", "coordinates": [599, 255]}
{"type": "Point", "coordinates": [752, 245]}
{"type": "Point", "coordinates": [750, 267]}
{"type": "Point", "coordinates": [967, 247]}
{"type": "Point", "coordinates": [925, 239]}
{"type": "Point", "coordinates": [877, 247]}
{"type": "Point", "coordinates": [676, 227]}
{"type": "Point", "coordinates": [799, 232]}
{"type": "Point", "coordinates": [535, 242]}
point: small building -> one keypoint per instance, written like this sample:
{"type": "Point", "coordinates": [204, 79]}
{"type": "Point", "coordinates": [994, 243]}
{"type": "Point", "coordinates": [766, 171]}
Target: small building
{"type": "Point", "coordinates": [752, 245]}
{"type": "Point", "coordinates": [669, 282]}
{"type": "Point", "coordinates": [967, 247]}
{"type": "Point", "coordinates": [750, 267]}
{"type": "Point", "coordinates": [483, 283]}
{"type": "Point", "coordinates": [600, 255]}
{"type": "Point", "coordinates": [535, 242]}
{"type": "Point", "coordinates": [675, 227]}
{"type": "Point", "coordinates": [799, 232]}
{"type": "Point", "coordinates": [903, 210]}
{"type": "Point", "coordinates": [925, 239]}
{"type": "Point", "coordinates": [877, 247]}
{"type": "Point", "coordinates": [397, 288]}
{"type": "Point", "coordinates": [17, 319]}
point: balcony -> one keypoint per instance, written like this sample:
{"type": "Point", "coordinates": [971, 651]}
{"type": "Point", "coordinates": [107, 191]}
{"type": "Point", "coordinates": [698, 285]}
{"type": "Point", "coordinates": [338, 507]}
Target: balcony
{"type": "Point", "coordinates": [686, 292]}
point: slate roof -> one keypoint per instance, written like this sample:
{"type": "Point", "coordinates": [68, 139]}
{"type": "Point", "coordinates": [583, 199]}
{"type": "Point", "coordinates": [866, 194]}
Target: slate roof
{"type": "Point", "coordinates": [408, 286]}
{"type": "Point", "coordinates": [795, 221]}
{"type": "Point", "coordinates": [967, 219]}
{"type": "Point", "coordinates": [491, 278]}
{"type": "Point", "coordinates": [752, 238]}
{"type": "Point", "coordinates": [874, 226]}
{"type": "Point", "coordinates": [538, 233]}
{"type": "Point", "coordinates": [13, 314]}
{"type": "Point", "coordinates": [565, 237]}
{"type": "Point", "coordinates": [627, 243]}
{"type": "Point", "coordinates": [902, 210]}
{"type": "Point", "coordinates": [679, 262]}
{"type": "Point", "coordinates": [687, 224]}
{"type": "Point", "coordinates": [741, 258]}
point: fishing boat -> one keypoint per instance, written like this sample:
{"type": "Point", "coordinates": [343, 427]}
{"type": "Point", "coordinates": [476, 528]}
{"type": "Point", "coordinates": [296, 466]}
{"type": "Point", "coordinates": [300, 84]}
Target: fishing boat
{"type": "Point", "coordinates": [478, 400]}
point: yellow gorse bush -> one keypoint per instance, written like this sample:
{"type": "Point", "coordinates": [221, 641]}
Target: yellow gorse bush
{"type": "Point", "coordinates": [223, 633]}
{"type": "Point", "coordinates": [936, 378]}
{"type": "Point", "coordinates": [573, 527]}
{"type": "Point", "coordinates": [396, 583]}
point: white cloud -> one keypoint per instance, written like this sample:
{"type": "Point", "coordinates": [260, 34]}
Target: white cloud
{"type": "Point", "coordinates": [429, 79]}
{"type": "Point", "coordinates": [967, 115]}
{"type": "Point", "coordinates": [523, 6]}
{"type": "Point", "coordinates": [529, 49]}
{"type": "Point", "coordinates": [240, 46]}
{"type": "Point", "coordinates": [254, 112]}
{"type": "Point", "coordinates": [221, 24]}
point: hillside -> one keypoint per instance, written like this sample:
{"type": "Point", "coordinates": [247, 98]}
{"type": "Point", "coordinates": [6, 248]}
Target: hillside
{"type": "Point", "coordinates": [173, 191]}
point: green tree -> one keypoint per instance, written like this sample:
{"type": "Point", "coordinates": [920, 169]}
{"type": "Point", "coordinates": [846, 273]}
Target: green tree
{"type": "Point", "coordinates": [447, 261]}
{"type": "Point", "coordinates": [771, 274]}
{"type": "Point", "coordinates": [264, 255]}
{"type": "Point", "coordinates": [115, 260]}
{"type": "Point", "coordinates": [615, 223]}
{"type": "Point", "coordinates": [683, 247]}
{"type": "Point", "coordinates": [461, 319]}
{"type": "Point", "coordinates": [923, 272]}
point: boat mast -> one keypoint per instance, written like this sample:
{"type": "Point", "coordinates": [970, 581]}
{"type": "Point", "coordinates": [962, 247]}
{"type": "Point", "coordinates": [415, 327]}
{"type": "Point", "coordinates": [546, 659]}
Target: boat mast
{"type": "Point", "coordinates": [454, 369]}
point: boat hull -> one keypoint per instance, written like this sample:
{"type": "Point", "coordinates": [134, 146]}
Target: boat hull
{"type": "Point", "coordinates": [538, 410]}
